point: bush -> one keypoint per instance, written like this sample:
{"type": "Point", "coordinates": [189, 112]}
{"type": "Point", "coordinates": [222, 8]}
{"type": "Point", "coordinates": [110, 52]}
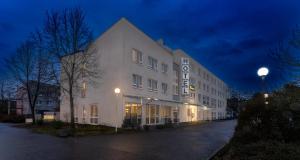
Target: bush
{"type": "Point", "coordinates": [262, 150]}
{"type": "Point", "coordinates": [267, 131]}
{"type": "Point", "coordinates": [39, 122]}
{"type": "Point", "coordinates": [12, 119]}
{"type": "Point", "coordinates": [146, 127]}
{"type": "Point", "coordinates": [57, 124]}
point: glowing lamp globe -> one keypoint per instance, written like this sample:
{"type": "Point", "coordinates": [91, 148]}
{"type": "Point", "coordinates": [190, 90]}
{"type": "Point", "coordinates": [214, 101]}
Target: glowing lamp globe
{"type": "Point", "coordinates": [262, 72]}
{"type": "Point", "coordinates": [117, 90]}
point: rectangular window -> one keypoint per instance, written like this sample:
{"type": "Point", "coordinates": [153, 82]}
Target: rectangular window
{"type": "Point", "coordinates": [164, 68]}
{"type": "Point", "coordinates": [137, 56]}
{"type": "Point", "coordinates": [175, 90]}
{"type": "Point", "coordinates": [199, 97]}
{"type": "Point", "coordinates": [76, 114]}
{"type": "Point", "coordinates": [199, 72]}
{"type": "Point", "coordinates": [213, 115]}
{"type": "Point", "coordinates": [83, 90]}
{"type": "Point", "coordinates": [152, 63]}
{"type": "Point", "coordinates": [94, 114]}
{"type": "Point", "coordinates": [205, 100]}
{"type": "Point", "coordinates": [192, 96]}
{"type": "Point", "coordinates": [152, 85]}
{"type": "Point", "coordinates": [213, 102]}
{"type": "Point", "coordinates": [137, 81]}
{"type": "Point", "coordinates": [199, 85]}
{"type": "Point", "coordinates": [164, 88]}
{"type": "Point", "coordinates": [152, 114]}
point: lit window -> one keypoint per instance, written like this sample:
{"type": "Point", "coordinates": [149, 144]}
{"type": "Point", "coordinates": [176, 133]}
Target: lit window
{"type": "Point", "coordinates": [94, 114]}
{"type": "Point", "coordinates": [83, 90]}
{"type": "Point", "coordinates": [137, 81]}
{"type": "Point", "coordinates": [137, 56]}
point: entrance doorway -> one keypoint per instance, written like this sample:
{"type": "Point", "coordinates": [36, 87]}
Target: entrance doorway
{"type": "Point", "coordinates": [133, 115]}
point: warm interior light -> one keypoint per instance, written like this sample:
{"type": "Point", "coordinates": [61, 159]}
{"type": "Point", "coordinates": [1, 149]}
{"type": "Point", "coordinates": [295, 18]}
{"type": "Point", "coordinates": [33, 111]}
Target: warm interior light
{"type": "Point", "coordinates": [48, 117]}
{"type": "Point", "coordinates": [117, 90]}
{"type": "Point", "coordinates": [263, 71]}
{"type": "Point", "coordinates": [266, 95]}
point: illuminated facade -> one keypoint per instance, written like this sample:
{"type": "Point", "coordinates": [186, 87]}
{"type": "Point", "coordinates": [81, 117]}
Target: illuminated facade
{"type": "Point", "coordinates": [153, 89]}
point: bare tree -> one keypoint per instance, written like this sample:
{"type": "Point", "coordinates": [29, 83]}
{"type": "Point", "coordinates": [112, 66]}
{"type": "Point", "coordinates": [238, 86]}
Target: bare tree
{"type": "Point", "coordinates": [287, 56]}
{"type": "Point", "coordinates": [30, 67]}
{"type": "Point", "coordinates": [69, 39]}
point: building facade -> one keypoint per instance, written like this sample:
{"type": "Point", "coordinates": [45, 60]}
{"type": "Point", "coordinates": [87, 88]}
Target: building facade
{"type": "Point", "coordinates": [47, 101]}
{"type": "Point", "coordinates": [151, 82]}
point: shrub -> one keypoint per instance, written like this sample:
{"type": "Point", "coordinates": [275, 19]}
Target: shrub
{"type": "Point", "coordinates": [57, 124]}
{"type": "Point", "coordinates": [146, 127]}
{"type": "Point", "coordinates": [12, 119]}
{"type": "Point", "coordinates": [39, 122]}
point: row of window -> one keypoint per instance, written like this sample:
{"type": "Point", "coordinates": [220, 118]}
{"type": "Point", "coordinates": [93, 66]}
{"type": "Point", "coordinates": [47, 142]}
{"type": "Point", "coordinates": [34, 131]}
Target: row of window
{"type": "Point", "coordinates": [207, 77]}
{"type": "Point", "coordinates": [137, 82]}
{"type": "Point", "coordinates": [210, 101]}
{"type": "Point", "coordinates": [93, 114]}
{"type": "Point", "coordinates": [137, 57]}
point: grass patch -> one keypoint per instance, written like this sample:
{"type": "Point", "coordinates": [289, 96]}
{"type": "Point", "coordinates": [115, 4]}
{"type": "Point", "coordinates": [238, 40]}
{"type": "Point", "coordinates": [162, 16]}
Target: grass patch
{"type": "Point", "coordinates": [56, 128]}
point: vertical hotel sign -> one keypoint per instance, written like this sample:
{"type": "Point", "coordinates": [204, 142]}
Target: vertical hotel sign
{"type": "Point", "coordinates": [185, 69]}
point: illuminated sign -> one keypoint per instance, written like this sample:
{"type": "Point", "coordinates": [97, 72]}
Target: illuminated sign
{"type": "Point", "coordinates": [185, 69]}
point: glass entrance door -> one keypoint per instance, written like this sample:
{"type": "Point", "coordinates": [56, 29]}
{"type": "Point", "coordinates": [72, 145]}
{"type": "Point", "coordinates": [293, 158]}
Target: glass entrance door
{"type": "Point", "coordinates": [133, 115]}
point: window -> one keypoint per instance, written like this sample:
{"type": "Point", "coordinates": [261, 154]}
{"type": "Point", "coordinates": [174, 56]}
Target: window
{"type": "Point", "coordinates": [199, 72]}
{"type": "Point", "coordinates": [137, 56]}
{"type": "Point", "coordinates": [152, 85]}
{"type": "Point", "coordinates": [137, 81]}
{"type": "Point", "coordinates": [192, 95]}
{"type": "Point", "coordinates": [175, 90]}
{"type": "Point", "coordinates": [152, 114]}
{"type": "Point", "coordinates": [94, 114]}
{"type": "Point", "coordinates": [164, 68]}
{"type": "Point", "coordinates": [213, 115]}
{"type": "Point", "coordinates": [83, 70]}
{"type": "Point", "coordinates": [213, 102]}
{"type": "Point", "coordinates": [152, 63]}
{"type": "Point", "coordinates": [192, 81]}
{"type": "Point", "coordinates": [205, 100]}
{"type": "Point", "coordinates": [199, 97]}
{"type": "Point", "coordinates": [83, 90]}
{"type": "Point", "coordinates": [199, 85]}
{"type": "Point", "coordinates": [83, 114]}
{"type": "Point", "coordinates": [164, 88]}
{"type": "Point", "coordinates": [76, 114]}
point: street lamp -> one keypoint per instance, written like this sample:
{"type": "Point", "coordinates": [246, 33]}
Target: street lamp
{"type": "Point", "coordinates": [262, 72]}
{"type": "Point", "coordinates": [117, 91]}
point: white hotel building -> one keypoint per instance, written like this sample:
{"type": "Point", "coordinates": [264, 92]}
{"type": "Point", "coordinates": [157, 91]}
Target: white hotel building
{"type": "Point", "coordinates": [150, 77]}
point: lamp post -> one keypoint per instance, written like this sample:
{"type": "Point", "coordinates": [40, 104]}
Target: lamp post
{"type": "Point", "coordinates": [117, 91]}
{"type": "Point", "coordinates": [262, 72]}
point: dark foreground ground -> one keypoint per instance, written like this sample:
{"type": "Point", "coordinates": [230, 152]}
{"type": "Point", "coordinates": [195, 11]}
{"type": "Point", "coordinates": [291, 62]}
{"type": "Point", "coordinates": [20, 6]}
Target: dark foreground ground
{"type": "Point", "coordinates": [192, 142]}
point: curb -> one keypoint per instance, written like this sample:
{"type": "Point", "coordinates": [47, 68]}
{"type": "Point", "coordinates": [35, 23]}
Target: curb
{"type": "Point", "coordinates": [216, 151]}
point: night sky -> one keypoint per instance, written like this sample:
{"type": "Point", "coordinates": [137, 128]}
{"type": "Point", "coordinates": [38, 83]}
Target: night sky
{"type": "Point", "coordinates": [231, 38]}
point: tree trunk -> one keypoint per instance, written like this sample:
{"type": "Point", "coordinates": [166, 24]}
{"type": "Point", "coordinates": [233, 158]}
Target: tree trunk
{"type": "Point", "coordinates": [33, 115]}
{"type": "Point", "coordinates": [72, 109]}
